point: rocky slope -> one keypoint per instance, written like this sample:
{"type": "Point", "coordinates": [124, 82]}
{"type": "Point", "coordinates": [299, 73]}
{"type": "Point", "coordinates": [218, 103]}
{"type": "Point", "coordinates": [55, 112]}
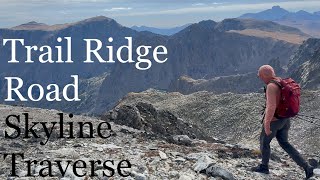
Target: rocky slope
{"type": "Point", "coordinates": [305, 64]}
{"type": "Point", "coordinates": [243, 83]}
{"type": "Point", "coordinates": [239, 83]}
{"type": "Point", "coordinates": [152, 156]}
{"type": "Point", "coordinates": [232, 117]}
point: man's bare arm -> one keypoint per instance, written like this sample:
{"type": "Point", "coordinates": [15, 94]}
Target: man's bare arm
{"type": "Point", "coordinates": [271, 105]}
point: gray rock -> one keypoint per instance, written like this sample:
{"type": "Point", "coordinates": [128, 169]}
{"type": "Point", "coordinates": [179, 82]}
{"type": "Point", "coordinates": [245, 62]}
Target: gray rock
{"type": "Point", "coordinates": [187, 177]}
{"type": "Point", "coordinates": [163, 155]}
{"type": "Point", "coordinates": [138, 176]}
{"type": "Point", "coordinates": [9, 131]}
{"type": "Point", "coordinates": [202, 163]}
{"type": "Point", "coordinates": [212, 178]}
{"type": "Point", "coordinates": [182, 140]}
{"type": "Point", "coordinates": [174, 174]}
{"type": "Point", "coordinates": [64, 178]}
{"type": "Point", "coordinates": [153, 148]}
{"type": "Point", "coordinates": [196, 156]}
{"type": "Point", "coordinates": [176, 154]}
{"type": "Point", "coordinates": [216, 171]}
{"type": "Point", "coordinates": [179, 160]}
{"type": "Point", "coordinates": [22, 173]}
{"type": "Point", "coordinates": [316, 172]}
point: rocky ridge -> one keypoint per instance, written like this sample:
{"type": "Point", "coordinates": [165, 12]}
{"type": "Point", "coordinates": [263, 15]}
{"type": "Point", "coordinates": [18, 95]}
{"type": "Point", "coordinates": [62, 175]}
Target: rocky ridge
{"type": "Point", "coordinates": [238, 83]}
{"type": "Point", "coordinates": [304, 66]}
{"type": "Point", "coordinates": [241, 83]}
{"type": "Point", "coordinates": [151, 157]}
{"type": "Point", "coordinates": [232, 117]}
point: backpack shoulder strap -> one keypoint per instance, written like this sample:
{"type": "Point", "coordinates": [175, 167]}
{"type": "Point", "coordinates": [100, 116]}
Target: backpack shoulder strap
{"type": "Point", "coordinates": [276, 82]}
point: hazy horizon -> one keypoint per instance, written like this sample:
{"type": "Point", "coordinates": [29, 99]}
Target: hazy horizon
{"type": "Point", "coordinates": [167, 13]}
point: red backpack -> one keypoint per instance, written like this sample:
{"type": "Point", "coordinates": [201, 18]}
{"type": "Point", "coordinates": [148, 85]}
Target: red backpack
{"type": "Point", "coordinates": [289, 104]}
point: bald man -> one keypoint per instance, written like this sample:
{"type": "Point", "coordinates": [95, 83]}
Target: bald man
{"type": "Point", "coordinates": [275, 127]}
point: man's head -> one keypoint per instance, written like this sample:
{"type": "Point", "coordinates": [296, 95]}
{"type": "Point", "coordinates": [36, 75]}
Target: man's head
{"type": "Point", "coordinates": [266, 73]}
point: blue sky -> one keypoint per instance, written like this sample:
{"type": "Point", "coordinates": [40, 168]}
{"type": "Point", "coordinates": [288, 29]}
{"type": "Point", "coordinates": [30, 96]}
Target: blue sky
{"type": "Point", "coordinates": [156, 13]}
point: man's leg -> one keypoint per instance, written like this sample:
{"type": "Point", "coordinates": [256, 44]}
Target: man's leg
{"type": "Point", "coordinates": [265, 146]}
{"type": "Point", "coordinates": [265, 152]}
{"type": "Point", "coordinates": [282, 137]}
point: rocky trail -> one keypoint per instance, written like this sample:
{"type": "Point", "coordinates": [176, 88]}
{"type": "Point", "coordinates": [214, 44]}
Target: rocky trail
{"type": "Point", "coordinates": [153, 155]}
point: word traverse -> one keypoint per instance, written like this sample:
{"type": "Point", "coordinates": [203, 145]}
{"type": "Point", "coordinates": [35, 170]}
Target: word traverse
{"type": "Point", "coordinates": [109, 167]}
{"type": "Point", "coordinates": [93, 49]}
{"type": "Point", "coordinates": [20, 126]}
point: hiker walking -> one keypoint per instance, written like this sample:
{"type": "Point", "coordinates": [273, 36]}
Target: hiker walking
{"type": "Point", "coordinates": [282, 102]}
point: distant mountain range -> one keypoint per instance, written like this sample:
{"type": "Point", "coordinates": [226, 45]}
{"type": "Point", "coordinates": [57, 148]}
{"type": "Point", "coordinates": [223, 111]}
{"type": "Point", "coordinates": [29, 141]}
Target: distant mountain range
{"type": "Point", "coordinates": [276, 13]}
{"type": "Point", "coordinates": [204, 50]}
{"type": "Point", "coordinates": [162, 31]}
{"type": "Point", "coordinates": [307, 22]}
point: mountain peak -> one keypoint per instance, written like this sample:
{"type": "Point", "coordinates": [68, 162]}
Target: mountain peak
{"type": "Point", "coordinates": [98, 18]}
{"type": "Point", "coordinates": [32, 25]}
{"type": "Point", "coordinates": [199, 28]}
{"type": "Point", "coordinates": [210, 24]}
{"type": "Point", "coordinates": [231, 24]}
{"type": "Point", "coordinates": [302, 12]}
{"type": "Point", "coordinates": [276, 7]}
{"type": "Point", "coordinates": [95, 19]}
{"type": "Point", "coordinates": [276, 12]}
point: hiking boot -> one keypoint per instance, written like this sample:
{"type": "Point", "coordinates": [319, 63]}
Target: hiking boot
{"type": "Point", "coordinates": [261, 169]}
{"type": "Point", "coordinates": [309, 172]}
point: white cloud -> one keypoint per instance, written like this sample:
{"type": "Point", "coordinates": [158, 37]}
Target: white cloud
{"type": "Point", "coordinates": [118, 9]}
{"type": "Point", "coordinates": [64, 12]}
{"type": "Point", "coordinates": [198, 4]}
